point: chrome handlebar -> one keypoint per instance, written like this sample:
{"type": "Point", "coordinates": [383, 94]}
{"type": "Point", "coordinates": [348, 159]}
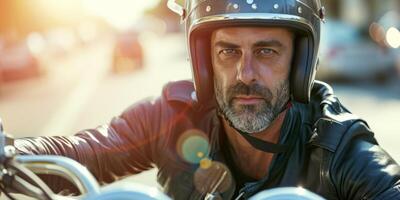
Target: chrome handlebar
{"type": "Point", "coordinates": [64, 167]}
{"type": "Point", "coordinates": [285, 193]}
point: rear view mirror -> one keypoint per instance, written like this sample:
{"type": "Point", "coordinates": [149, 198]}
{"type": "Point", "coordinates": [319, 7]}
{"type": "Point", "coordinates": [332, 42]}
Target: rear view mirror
{"type": "Point", "coordinates": [178, 7]}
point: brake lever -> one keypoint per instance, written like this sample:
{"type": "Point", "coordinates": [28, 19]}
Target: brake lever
{"type": "Point", "coordinates": [7, 149]}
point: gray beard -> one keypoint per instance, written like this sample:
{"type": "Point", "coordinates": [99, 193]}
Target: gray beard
{"type": "Point", "coordinates": [251, 118]}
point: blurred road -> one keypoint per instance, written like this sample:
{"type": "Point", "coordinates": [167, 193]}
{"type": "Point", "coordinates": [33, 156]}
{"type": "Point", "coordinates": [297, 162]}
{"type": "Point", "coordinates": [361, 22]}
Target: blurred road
{"type": "Point", "coordinates": [79, 91]}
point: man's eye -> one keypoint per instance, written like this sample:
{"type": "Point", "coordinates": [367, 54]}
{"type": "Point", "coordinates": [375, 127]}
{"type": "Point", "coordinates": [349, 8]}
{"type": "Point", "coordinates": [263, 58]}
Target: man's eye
{"type": "Point", "coordinates": [228, 52]}
{"type": "Point", "coordinates": [265, 52]}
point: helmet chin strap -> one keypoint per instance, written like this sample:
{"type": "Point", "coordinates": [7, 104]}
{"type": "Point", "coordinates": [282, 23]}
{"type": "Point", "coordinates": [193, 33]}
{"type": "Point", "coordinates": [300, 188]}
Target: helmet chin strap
{"type": "Point", "coordinates": [257, 143]}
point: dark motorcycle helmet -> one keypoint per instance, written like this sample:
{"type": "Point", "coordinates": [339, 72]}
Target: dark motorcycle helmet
{"type": "Point", "coordinates": [202, 17]}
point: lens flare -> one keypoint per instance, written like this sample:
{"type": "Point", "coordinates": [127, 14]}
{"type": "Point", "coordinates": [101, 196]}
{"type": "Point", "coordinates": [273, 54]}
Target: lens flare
{"type": "Point", "coordinates": [193, 146]}
{"type": "Point", "coordinates": [205, 163]}
{"type": "Point", "coordinates": [212, 177]}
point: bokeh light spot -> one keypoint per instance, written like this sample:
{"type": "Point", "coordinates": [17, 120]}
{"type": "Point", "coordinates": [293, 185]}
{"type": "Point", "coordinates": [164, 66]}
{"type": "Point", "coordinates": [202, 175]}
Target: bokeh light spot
{"type": "Point", "coordinates": [212, 176]}
{"type": "Point", "coordinates": [193, 146]}
{"type": "Point", "coordinates": [393, 37]}
{"type": "Point", "coordinates": [200, 154]}
{"type": "Point", "coordinates": [205, 163]}
{"type": "Point", "coordinates": [376, 32]}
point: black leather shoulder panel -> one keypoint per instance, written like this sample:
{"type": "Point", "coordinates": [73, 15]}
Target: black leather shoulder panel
{"type": "Point", "coordinates": [334, 120]}
{"type": "Point", "coordinates": [328, 133]}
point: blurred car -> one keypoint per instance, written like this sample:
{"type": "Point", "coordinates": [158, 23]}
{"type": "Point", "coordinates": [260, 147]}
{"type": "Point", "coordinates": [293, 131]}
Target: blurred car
{"type": "Point", "coordinates": [17, 62]}
{"type": "Point", "coordinates": [128, 52]}
{"type": "Point", "coordinates": [345, 54]}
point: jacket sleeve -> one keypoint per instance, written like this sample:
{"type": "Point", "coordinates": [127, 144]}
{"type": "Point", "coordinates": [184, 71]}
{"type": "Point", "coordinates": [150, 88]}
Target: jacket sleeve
{"type": "Point", "coordinates": [365, 171]}
{"type": "Point", "coordinates": [126, 145]}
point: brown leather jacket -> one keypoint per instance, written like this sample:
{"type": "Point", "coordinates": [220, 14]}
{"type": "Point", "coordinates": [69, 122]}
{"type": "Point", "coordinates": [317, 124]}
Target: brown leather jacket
{"type": "Point", "coordinates": [332, 152]}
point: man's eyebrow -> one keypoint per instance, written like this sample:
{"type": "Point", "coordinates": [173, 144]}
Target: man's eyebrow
{"type": "Point", "coordinates": [268, 43]}
{"type": "Point", "coordinates": [226, 44]}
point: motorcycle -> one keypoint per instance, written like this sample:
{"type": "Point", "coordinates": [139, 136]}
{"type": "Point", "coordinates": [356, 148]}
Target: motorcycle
{"type": "Point", "coordinates": [18, 175]}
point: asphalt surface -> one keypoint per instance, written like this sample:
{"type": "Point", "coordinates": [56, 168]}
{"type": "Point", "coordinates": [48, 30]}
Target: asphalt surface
{"type": "Point", "coordinates": [80, 91]}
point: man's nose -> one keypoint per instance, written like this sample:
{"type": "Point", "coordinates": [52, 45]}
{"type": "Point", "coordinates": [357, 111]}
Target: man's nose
{"type": "Point", "coordinates": [246, 69]}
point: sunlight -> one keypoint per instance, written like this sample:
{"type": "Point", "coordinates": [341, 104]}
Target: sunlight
{"type": "Point", "coordinates": [120, 13]}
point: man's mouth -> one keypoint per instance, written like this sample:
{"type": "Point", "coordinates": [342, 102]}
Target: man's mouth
{"type": "Point", "coordinates": [248, 100]}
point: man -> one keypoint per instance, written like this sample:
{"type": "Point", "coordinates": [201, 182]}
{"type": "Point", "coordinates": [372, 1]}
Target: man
{"type": "Point", "coordinates": [253, 119]}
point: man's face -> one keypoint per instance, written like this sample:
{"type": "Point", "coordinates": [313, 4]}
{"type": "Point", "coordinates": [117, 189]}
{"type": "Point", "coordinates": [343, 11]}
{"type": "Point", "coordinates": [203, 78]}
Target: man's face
{"type": "Point", "coordinates": [251, 74]}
